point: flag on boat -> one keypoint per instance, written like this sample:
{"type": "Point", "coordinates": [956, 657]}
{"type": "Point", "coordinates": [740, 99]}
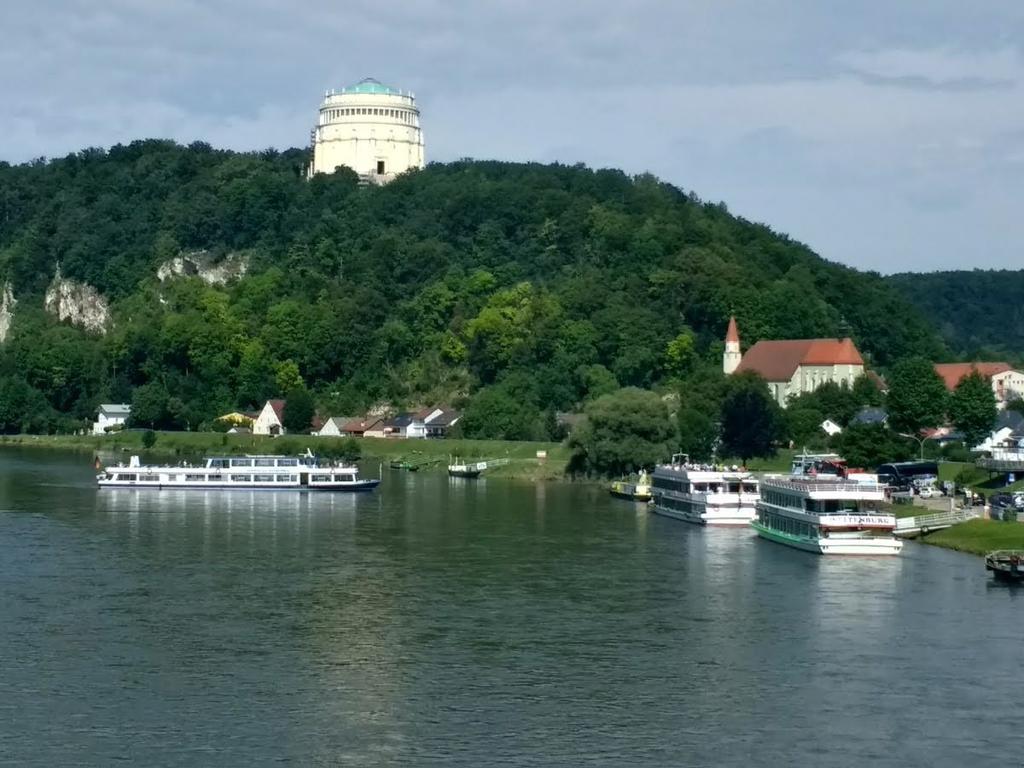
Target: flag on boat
{"type": "Point", "coordinates": [97, 463]}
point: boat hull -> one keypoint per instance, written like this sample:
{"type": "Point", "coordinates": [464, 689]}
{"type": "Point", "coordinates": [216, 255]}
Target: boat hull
{"type": "Point", "coordinates": [359, 486]}
{"type": "Point", "coordinates": [730, 518]}
{"type": "Point", "coordinates": [829, 545]}
{"type": "Point", "coordinates": [469, 473]}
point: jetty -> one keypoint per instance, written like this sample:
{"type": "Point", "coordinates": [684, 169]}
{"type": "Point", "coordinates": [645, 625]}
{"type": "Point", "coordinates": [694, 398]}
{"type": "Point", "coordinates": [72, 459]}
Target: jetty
{"type": "Point", "coordinates": [921, 524]}
{"type": "Point", "coordinates": [473, 469]}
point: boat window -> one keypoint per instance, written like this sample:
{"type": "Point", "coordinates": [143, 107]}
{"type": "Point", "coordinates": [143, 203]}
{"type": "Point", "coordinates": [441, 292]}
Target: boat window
{"type": "Point", "coordinates": [287, 462]}
{"type": "Point", "coordinates": [241, 462]}
{"type": "Point", "coordinates": [218, 463]}
{"type": "Point", "coordinates": [345, 478]}
{"type": "Point", "coordinates": [263, 478]}
{"type": "Point", "coordinates": [215, 478]}
{"type": "Point", "coordinates": [195, 478]}
{"type": "Point", "coordinates": [127, 477]}
{"type": "Point", "coordinates": [286, 478]}
{"type": "Point", "coordinates": [241, 478]}
{"type": "Point", "coordinates": [320, 478]}
{"type": "Point", "coordinates": [264, 462]}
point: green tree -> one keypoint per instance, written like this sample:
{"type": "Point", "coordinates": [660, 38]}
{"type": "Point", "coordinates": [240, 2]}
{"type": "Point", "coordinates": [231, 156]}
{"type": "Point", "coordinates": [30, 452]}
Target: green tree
{"type": "Point", "coordinates": [148, 439]}
{"type": "Point", "coordinates": [298, 410]}
{"type": "Point", "coordinates": [679, 354]}
{"type": "Point", "coordinates": [751, 419]}
{"type": "Point", "coordinates": [498, 413]}
{"type": "Point", "coordinates": [149, 405]}
{"type": "Point", "coordinates": [698, 433]}
{"type": "Point", "coordinates": [287, 377]}
{"type": "Point", "coordinates": [866, 446]}
{"type": "Point", "coordinates": [972, 407]}
{"type": "Point", "coordinates": [623, 432]}
{"type": "Point", "coordinates": [917, 395]}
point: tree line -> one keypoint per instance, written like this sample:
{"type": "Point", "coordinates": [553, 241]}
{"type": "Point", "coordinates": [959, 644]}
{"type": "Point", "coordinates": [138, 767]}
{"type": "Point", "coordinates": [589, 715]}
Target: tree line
{"type": "Point", "coordinates": [512, 290]}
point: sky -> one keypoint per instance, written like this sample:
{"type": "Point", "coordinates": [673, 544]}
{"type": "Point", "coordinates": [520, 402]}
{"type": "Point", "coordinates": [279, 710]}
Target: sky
{"type": "Point", "coordinates": [886, 135]}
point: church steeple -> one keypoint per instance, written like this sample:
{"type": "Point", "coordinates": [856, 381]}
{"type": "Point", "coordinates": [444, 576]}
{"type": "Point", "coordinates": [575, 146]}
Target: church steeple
{"type": "Point", "coordinates": [732, 356]}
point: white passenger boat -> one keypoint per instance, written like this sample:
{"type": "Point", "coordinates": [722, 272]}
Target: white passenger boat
{"type": "Point", "coordinates": [703, 494]}
{"type": "Point", "coordinates": [829, 515]}
{"type": "Point", "coordinates": [263, 473]}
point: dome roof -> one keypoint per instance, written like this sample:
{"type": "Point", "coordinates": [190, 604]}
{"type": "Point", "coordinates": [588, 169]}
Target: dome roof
{"type": "Point", "coordinates": [369, 85]}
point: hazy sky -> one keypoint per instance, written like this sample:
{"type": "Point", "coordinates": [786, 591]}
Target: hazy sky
{"type": "Point", "coordinates": [887, 135]}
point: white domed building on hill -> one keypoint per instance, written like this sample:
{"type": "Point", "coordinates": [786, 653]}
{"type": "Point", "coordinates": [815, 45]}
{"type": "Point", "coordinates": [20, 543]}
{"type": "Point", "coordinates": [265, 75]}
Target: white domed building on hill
{"type": "Point", "coordinates": [370, 127]}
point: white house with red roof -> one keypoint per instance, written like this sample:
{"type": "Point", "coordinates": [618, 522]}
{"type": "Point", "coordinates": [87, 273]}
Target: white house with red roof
{"type": "Point", "coordinates": [270, 419]}
{"type": "Point", "coordinates": [1007, 383]}
{"type": "Point", "coordinates": [794, 366]}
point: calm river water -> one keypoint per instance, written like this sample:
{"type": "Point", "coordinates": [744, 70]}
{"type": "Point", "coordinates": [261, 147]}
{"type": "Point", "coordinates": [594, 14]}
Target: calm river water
{"type": "Point", "coordinates": [461, 623]}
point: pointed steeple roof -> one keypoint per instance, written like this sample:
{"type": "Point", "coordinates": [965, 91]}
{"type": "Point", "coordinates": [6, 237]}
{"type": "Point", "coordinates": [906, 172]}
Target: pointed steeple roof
{"type": "Point", "coordinates": [732, 334]}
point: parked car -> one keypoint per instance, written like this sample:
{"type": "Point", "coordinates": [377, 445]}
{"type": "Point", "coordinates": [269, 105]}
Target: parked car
{"type": "Point", "coordinates": [927, 492]}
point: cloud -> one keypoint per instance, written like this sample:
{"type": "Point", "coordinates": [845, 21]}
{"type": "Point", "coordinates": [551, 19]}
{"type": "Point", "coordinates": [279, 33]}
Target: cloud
{"type": "Point", "coordinates": [939, 66]}
{"type": "Point", "coordinates": [878, 135]}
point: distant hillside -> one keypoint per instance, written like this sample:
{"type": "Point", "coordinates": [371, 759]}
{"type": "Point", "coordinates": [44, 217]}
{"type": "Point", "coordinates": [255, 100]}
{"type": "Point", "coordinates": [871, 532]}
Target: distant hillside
{"type": "Point", "coordinates": [979, 313]}
{"type": "Point", "coordinates": [542, 284]}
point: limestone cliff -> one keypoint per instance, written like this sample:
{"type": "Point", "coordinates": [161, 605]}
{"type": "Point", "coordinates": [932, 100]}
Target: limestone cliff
{"type": "Point", "coordinates": [77, 303]}
{"type": "Point", "coordinates": [202, 265]}
{"type": "Point", "coordinates": [7, 302]}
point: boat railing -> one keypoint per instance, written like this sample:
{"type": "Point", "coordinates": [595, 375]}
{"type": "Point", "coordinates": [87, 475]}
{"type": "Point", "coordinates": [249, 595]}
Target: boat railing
{"type": "Point", "coordinates": [820, 486]}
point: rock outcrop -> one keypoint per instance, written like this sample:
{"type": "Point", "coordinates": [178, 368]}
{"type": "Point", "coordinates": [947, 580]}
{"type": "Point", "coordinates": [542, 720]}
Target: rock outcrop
{"type": "Point", "coordinates": [77, 303]}
{"type": "Point", "coordinates": [7, 302]}
{"type": "Point", "coordinates": [202, 265]}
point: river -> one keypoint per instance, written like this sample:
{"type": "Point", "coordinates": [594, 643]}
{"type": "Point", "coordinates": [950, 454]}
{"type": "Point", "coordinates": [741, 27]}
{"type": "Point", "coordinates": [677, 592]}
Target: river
{"type": "Point", "coordinates": [476, 623]}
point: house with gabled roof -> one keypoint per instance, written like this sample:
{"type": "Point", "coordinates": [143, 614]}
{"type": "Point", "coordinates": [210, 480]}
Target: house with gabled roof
{"type": "Point", "coordinates": [111, 416]}
{"type": "Point", "coordinates": [1007, 383]}
{"type": "Point", "coordinates": [270, 420]}
{"type": "Point", "coordinates": [794, 366]}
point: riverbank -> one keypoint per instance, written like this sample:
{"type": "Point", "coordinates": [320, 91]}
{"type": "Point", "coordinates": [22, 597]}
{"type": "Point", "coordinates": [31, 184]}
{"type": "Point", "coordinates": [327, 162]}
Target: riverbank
{"type": "Point", "coordinates": [979, 537]}
{"type": "Point", "coordinates": [432, 455]}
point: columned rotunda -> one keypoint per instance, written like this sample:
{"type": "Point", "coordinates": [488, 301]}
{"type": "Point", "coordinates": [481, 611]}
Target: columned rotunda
{"type": "Point", "coordinates": [370, 127]}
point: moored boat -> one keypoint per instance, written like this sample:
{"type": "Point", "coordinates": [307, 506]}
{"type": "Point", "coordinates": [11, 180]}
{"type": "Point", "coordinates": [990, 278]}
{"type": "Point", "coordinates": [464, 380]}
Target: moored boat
{"type": "Point", "coordinates": [829, 515]}
{"type": "Point", "coordinates": [1006, 564]}
{"type": "Point", "coordinates": [704, 494]}
{"type": "Point", "coordinates": [262, 473]}
{"type": "Point", "coordinates": [467, 470]}
{"type": "Point", "coordinates": [639, 490]}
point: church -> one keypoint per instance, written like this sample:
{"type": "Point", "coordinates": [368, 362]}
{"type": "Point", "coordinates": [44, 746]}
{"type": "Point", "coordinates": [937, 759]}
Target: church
{"type": "Point", "coordinates": [794, 366]}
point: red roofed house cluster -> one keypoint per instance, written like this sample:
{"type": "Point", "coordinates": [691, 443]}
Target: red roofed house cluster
{"type": "Point", "coordinates": [794, 366]}
{"type": "Point", "coordinates": [1007, 384]}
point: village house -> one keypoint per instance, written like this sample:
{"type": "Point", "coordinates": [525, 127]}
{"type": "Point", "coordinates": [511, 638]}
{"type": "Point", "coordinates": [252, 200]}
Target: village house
{"type": "Point", "coordinates": [270, 419]}
{"type": "Point", "coordinates": [333, 427]}
{"type": "Point", "coordinates": [437, 426]}
{"type": "Point", "coordinates": [111, 416]}
{"type": "Point", "coordinates": [794, 366]}
{"type": "Point", "coordinates": [1007, 383]}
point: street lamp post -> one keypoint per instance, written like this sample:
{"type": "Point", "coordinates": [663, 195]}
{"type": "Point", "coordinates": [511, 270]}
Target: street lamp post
{"type": "Point", "coordinates": [920, 442]}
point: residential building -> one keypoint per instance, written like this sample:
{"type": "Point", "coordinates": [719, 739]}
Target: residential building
{"type": "Point", "coordinates": [334, 426]}
{"type": "Point", "coordinates": [795, 366]}
{"type": "Point", "coordinates": [111, 416]}
{"type": "Point", "coordinates": [1007, 383]}
{"type": "Point", "coordinates": [362, 427]}
{"type": "Point", "coordinates": [270, 420]}
{"type": "Point", "coordinates": [1007, 433]}
{"type": "Point", "coordinates": [870, 415]}
{"type": "Point", "coordinates": [438, 426]}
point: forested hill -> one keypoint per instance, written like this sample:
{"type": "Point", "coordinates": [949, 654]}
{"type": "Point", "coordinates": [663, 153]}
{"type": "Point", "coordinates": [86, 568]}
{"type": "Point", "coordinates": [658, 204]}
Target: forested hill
{"type": "Point", "coordinates": [980, 313]}
{"type": "Point", "coordinates": [525, 287]}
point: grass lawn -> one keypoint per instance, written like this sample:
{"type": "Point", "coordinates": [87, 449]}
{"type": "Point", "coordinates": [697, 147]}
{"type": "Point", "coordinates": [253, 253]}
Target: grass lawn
{"type": "Point", "coordinates": [522, 456]}
{"type": "Point", "coordinates": [979, 537]}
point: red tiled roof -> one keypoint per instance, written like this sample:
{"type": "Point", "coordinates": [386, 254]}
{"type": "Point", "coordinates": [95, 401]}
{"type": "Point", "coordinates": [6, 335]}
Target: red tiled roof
{"type": "Point", "coordinates": [778, 360]}
{"type": "Point", "coordinates": [278, 408]}
{"type": "Point", "coordinates": [951, 373]}
{"type": "Point", "coordinates": [732, 334]}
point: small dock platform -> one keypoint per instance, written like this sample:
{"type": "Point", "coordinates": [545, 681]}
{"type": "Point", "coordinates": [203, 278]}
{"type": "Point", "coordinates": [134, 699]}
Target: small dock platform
{"type": "Point", "coordinates": [1006, 564]}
